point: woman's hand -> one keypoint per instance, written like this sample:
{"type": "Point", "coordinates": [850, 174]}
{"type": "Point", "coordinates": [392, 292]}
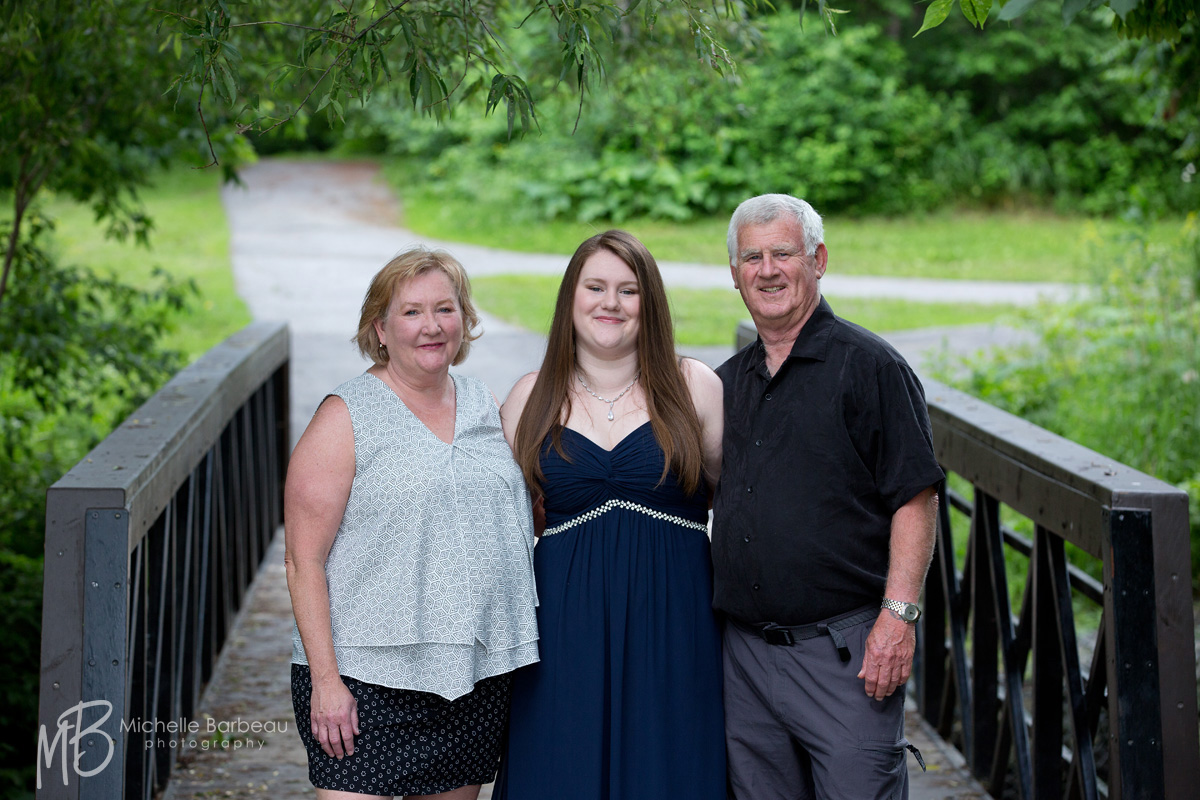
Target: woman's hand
{"type": "Point", "coordinates": [334, 717]}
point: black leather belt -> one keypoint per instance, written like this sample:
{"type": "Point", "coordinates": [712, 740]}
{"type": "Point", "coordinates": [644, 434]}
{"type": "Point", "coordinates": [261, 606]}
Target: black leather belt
{"type": "Point", "coordinates": [787, 635]}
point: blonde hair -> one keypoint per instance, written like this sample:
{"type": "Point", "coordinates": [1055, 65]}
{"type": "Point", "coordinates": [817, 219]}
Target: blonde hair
{"type": "Point", "coordinates": [385, 284]}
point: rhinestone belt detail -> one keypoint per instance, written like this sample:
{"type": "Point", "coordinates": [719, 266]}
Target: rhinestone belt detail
{"type": "Point", "coordinates": [628, 506]}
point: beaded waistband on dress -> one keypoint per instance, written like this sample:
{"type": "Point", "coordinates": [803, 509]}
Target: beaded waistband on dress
{"type": "Point", "coordinates": [628, 506]}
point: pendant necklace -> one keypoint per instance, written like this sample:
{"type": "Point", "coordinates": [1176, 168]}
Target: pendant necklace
{"type": "Point", "coordinates": [612, 402]}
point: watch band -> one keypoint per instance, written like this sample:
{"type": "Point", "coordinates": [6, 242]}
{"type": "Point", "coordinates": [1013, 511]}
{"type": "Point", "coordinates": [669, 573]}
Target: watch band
{"type": "Point", "coordinates": [909, 612]}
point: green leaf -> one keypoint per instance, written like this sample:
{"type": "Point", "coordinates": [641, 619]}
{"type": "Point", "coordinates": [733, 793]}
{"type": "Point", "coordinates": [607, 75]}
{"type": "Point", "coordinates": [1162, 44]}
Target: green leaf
{"type": "Point", "coordinates": [976, 11]}
{"type": "Point", "coordinates": [1015, 8]}
{"type": "Point", "coordinates": [935, 15]}
{"type": "Point", "coordinates": [228, 84]}
{"type": "Point", "coordinates": [1123, 7]}
{"type": "Point", "coordinates": [1071, 9]}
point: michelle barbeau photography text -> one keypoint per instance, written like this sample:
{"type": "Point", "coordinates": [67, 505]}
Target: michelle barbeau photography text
{"type": "Point", "coordinates": [83, 741]}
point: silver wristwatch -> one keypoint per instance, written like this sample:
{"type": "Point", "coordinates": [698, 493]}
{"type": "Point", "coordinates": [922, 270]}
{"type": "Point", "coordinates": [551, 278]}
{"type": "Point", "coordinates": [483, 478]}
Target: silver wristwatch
{"type": "Point", "coordinates": [909, 612]}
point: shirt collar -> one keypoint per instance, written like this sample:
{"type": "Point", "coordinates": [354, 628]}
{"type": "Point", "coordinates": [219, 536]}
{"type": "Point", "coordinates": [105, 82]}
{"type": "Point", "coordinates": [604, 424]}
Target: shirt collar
{"type": "Point", "coordinates": [811, 343]}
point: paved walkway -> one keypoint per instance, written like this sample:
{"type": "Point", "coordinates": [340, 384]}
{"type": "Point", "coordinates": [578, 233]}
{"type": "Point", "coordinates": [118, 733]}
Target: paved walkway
{"type": "Point", "coordinates": [306, 239]}
{"type": "Point", "coordinates": [308, 236]}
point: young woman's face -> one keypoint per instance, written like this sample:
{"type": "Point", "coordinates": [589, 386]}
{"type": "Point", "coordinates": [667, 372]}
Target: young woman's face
{"type": "Point", "coordinates": [607, 304]}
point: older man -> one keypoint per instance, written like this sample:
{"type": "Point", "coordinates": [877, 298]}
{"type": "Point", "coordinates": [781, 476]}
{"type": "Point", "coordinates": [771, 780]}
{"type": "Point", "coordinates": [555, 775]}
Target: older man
{"type": "Point", "coordinates": [823, 528]}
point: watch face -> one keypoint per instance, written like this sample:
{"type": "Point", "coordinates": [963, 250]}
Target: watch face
{"type": "Point", "coordinates": [911, 612]}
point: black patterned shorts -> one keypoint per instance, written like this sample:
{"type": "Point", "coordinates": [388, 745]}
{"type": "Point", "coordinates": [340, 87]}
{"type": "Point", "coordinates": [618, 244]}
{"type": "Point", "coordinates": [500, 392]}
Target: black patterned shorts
{"type": "Point", "coordinates": [411, 742]}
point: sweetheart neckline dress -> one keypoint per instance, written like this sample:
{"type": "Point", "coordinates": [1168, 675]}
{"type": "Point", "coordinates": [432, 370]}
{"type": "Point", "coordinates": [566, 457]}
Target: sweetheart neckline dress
{"type": "Point", "coordinates": [625, 703]}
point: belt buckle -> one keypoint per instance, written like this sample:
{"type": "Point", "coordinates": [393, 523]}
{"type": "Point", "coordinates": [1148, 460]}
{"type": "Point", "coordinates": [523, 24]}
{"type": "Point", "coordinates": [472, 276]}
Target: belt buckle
{"type": "Point", "coordinates": [773, 634]}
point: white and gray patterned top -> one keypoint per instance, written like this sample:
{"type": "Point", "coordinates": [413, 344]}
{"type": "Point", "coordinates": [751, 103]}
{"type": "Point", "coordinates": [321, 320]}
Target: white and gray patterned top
{"type": "Point", "coordinates": [431, 571]}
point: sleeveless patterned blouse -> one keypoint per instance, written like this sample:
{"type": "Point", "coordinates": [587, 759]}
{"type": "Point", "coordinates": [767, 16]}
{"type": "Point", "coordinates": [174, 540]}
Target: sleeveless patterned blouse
{"type": "Point", "coordinates": [431, 571]}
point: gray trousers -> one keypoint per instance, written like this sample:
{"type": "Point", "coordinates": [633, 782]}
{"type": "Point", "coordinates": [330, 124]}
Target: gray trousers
{"type": "Point", "coordinates": [799, 724]}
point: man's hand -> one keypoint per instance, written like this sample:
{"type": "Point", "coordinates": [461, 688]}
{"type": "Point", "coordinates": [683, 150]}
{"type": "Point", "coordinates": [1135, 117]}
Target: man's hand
{"type": "Point", "coordinates": [887, 662]}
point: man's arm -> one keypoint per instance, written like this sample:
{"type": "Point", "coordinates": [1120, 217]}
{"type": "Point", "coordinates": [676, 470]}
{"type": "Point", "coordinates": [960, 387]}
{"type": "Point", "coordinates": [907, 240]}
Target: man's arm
{"type": "Point", "coordinates": [891, 644]}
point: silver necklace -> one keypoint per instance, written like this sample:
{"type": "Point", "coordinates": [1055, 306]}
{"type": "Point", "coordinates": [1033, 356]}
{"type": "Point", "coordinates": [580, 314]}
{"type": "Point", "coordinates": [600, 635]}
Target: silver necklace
{"type": "Point", "coordinates": [612, 402]}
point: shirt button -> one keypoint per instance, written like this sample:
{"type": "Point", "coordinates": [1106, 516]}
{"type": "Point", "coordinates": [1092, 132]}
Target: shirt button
{"type": "Point", "coordinates": [749, 490]}
{"type": "Point", "coordinates": [745, 538]}
{"type": "Point", "coordinates": [756, 587]}
{"type": "Point", "coordinates": [758, 442]}
{"type": "Point", "coordinates": [768, 395]}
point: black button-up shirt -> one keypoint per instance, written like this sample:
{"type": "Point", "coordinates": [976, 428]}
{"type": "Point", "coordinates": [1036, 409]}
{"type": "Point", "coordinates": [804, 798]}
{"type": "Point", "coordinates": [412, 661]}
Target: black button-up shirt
{"type": "Point", "coordinates": [816, 460]}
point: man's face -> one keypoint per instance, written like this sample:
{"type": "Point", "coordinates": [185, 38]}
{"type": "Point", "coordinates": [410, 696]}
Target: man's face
{"type": "Point", "coordinates": [778, 282]}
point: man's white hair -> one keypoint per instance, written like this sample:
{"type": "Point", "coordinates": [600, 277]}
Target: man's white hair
{"type": "Point", "coordinates": [766, 208]}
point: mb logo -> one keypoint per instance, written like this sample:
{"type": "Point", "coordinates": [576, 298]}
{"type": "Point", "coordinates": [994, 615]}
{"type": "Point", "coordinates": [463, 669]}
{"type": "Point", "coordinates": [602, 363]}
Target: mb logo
{"type": "Point", "coordinates": [71, 731]}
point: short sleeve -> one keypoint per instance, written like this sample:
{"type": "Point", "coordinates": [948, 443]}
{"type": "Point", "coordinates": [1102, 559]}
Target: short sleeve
{"type": "Point", "coordinates": [905, 464]}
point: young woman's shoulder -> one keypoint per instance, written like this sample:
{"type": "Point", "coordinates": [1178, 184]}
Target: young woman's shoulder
{"type": "Point", "coordinates": [514, 404]}
{"type": "Point", "coordinates": [699, 376]}
{"type": "Point", "coordinates": [521, 390]}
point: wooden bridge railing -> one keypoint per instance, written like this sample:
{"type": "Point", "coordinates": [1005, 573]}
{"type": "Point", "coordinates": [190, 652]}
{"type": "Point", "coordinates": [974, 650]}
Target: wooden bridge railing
{"type": "Point", "coordinates": [1038, 701]}
{"type": "Point", "coordinates": [151, 542]}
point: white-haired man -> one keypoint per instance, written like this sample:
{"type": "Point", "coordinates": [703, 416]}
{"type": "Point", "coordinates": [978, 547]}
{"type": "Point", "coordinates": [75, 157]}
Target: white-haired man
{"type": "Point", "coordinates": [823, 527]}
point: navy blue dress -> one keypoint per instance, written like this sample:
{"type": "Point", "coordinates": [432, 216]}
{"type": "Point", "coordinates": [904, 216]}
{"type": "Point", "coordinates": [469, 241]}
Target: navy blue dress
{"type": "Point", "coordinates": [626, 701]}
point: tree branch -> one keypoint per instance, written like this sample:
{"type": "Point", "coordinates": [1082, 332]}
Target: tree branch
{"type": "Point", "coordinates": [204, 123]}
{"type": "Point", "coordinates": [337, 59]}
{"type": "Point", "coordinates": [331, 31]}
{"type": "Point", "coordinates": [21, 199]}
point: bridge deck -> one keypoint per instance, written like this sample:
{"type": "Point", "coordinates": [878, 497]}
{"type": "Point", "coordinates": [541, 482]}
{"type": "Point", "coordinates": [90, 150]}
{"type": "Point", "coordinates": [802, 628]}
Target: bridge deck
{"type": "Point", "coordinates": [251, 686]}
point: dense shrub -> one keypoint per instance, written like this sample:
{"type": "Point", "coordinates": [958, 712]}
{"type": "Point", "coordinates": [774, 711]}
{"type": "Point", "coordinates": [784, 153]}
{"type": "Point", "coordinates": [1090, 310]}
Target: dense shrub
{"type": "Point", "coordinates": [1119, 373]}
{"type": "Point", "coordinates": [819, 116]}
{"type": "Point", "coordinates": [1063, 113]}
{"type": "Point", "coordinates": [868, 121]}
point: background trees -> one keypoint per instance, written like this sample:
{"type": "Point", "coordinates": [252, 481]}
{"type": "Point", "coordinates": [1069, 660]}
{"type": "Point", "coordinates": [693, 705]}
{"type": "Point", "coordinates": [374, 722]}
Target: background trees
{"type": "Point", "coordinates": [630, 108]}
{"type": "Point", "coordinates": [80, 116]}
{"type": "Point", "coordinates": [871, 121]}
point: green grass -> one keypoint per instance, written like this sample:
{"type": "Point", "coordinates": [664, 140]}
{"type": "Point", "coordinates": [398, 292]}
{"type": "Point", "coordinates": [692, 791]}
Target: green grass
{"type": "Point", "coordinates": [190, 239]}
{"type": "Point", "coordinates": [709, 316]}
{"type": "Point", "coordinates": [994, 245]}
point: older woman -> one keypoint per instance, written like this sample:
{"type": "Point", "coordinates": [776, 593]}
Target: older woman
{"type": "Point", "coordinates": [409, 545]}
{"type": "Point", "coordinates": [620, 437]}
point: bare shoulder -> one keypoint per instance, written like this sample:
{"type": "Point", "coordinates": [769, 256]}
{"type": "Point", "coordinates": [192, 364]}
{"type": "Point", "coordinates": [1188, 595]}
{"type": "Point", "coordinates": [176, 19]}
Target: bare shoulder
{"type": "Point", "coordinates": [330, 433]}
{"type": "Point", "coordinates": [708, 396]}
{"type": "Point", "coordinates": [319, 478]}
{"type": "Point", "coordinates": [330, 421]}
{"type": "Point", "coordinates": [702, 381]}
{"type": "Point", "coordinates": [518, 395]}
{"type": "Point", "coordinates": [514, 404]}
{"type": "Point", "coordinates": [325, 452]}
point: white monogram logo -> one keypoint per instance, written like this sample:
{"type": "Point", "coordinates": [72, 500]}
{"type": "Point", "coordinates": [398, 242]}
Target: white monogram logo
{"type": "Point", "coordinates": [73, 718]}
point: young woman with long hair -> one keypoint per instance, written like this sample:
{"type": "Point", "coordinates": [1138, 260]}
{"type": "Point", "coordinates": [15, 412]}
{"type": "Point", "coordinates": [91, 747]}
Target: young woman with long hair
{"type": "Point", "coordinates": [620, 439]}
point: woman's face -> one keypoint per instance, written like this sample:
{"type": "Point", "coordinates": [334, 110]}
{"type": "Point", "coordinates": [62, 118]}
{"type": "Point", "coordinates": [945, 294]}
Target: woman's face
{"type": "Point", "coordinates": [423, 329]}
{"type": "Point", "coordinates": [607, 304]}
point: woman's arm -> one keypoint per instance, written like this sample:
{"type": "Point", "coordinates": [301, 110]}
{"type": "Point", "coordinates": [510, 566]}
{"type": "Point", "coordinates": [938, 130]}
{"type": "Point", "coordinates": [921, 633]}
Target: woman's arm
{"type": "Point", "coordinates": [510, 415]}
{"type": "Point", "coordinates": [708, 396]}
{"type": "Point", "coordinates": [319, 477]}
{"type": "Point", "coordinates": [514, 404]}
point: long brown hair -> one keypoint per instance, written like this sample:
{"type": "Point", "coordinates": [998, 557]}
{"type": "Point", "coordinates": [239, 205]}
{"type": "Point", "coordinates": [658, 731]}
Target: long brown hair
{"type": "Point", "coordinates": [672, 414]}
